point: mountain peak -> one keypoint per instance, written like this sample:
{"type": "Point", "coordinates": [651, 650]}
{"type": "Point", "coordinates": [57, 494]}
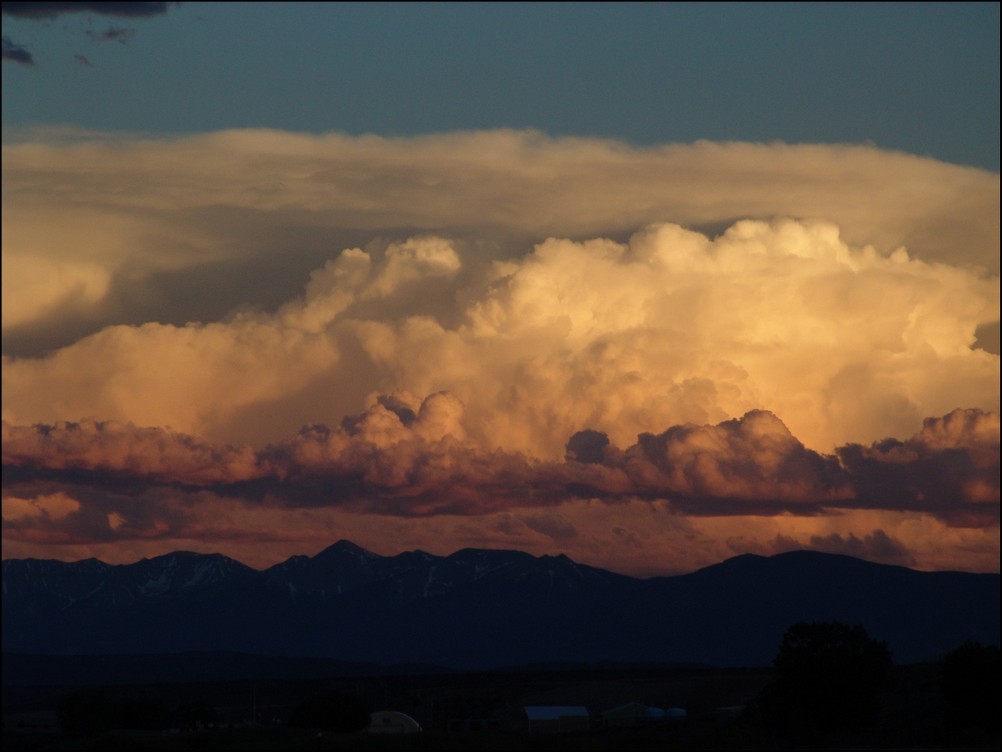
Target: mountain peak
{"type": "Point", "coordinates": [346, 548]}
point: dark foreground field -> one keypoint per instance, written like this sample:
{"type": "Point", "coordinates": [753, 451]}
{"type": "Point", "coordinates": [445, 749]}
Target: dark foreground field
{"type": "Point", "coordinates": [484, 711]}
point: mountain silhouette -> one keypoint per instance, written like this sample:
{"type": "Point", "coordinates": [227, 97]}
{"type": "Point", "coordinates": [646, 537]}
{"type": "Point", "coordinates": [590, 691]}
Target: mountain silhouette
{"type": "Point", "coordinates": [482, 608]}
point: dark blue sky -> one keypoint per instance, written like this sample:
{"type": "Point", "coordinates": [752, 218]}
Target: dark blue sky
{"type": "Point", "coordinates": [917, 77]}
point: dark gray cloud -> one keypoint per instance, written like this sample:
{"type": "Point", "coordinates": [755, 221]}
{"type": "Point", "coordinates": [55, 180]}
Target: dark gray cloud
{"type": "Point", "coordinates": [53, 10]}
{"type": "Point", "coordinates": [16, 54]}
{"type": "Point", "coordinates": [46, 11]}
{"type": "Point", "coordinates": [587, 446]}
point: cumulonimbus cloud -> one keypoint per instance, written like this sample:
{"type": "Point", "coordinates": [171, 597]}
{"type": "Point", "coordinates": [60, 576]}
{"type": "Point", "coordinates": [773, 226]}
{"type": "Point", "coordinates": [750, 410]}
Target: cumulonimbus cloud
{"type": "Point", "coordinates": [625, 338]}
{"type": "Point", "coordinates": [709, 331]}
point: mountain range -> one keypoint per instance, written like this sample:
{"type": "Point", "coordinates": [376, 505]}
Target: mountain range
{"type": "Point", "coordinates": [482, 609]}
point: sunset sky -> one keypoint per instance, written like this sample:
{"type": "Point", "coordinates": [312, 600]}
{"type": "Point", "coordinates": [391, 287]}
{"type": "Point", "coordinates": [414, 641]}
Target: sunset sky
{"type": "Point", "coordinates": [651, 285]}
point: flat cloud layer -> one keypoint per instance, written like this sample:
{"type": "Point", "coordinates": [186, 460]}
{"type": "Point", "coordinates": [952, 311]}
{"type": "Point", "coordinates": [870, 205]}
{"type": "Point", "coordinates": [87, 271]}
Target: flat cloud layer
{"type": "Point", "coordinates": [516, 327]}
{"type": "Point", "coordinates": [130, 221]}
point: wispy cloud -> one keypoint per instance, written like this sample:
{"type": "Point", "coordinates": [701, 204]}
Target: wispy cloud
{"type": "Point", "coordinates": [875, 546]}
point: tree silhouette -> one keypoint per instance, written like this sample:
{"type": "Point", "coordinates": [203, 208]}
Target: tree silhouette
{"type": "Point", "coordinates": [829, 676]}
{"type": "Point", "coordinates": [971, 684]}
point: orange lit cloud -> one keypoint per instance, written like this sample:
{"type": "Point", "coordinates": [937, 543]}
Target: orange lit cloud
{"type": "Point", "coordinates": [112, 228]}
{"type": "Point", "coordinates": [671, 327]}
{"type": "Point", "coordinates": [498, 337]}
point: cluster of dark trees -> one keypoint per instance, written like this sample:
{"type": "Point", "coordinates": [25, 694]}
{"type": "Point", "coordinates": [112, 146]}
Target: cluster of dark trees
{"type": "Point", "coordinates": [828, 675]}
{"type": "Point", "coordinates": [829, 678]}
{"type": "Point", "coordinates": [832, 678]}
{"type": "Point", "coordinates": [971, 684]}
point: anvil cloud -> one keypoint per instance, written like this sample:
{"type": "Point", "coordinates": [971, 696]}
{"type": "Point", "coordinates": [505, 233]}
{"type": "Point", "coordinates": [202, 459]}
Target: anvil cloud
{"type": "Point", "coordinates": [502, 339]}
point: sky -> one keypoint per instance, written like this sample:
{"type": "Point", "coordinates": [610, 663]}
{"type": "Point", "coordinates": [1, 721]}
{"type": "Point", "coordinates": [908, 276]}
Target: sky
{"type": "Point", "coordinates": [651, 285]}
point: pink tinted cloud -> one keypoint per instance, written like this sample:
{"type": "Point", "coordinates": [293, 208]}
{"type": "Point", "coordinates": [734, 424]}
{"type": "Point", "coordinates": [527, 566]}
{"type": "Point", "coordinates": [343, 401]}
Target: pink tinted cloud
{"type": "Point", "coordinates": [950, 468]}
{"type": "Point", "coordinates": [398, 461]}
{"type": "Point", "coordinates": [157, 455]}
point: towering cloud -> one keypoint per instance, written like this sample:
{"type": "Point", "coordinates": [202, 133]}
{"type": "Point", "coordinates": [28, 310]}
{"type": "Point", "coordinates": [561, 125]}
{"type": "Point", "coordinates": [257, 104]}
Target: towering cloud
{"type": "Point", "coordinates": [501, 336]}
{"type": "Point", "coordinates": [624, 338]}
